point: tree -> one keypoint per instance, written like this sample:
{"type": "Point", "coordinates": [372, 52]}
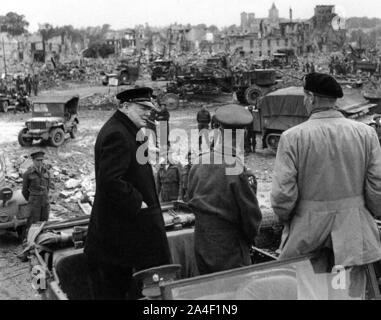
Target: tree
{"type": "Point", "coordinates": [14, 24]}
{"type": "Point", "coordinates": [213, 29]}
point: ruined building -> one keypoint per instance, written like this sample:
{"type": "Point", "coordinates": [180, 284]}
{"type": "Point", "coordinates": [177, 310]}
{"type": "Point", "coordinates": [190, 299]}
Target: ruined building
{"type": "Point", "coordinates": [21, 53]}
{"type": "Point", "coordinates": [260, 37]}
{"type": "Point", "coordinates": [323, 35]}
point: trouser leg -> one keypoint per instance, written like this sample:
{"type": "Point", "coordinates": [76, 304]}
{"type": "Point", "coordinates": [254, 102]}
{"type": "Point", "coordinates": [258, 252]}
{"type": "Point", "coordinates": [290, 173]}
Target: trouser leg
{"type": "Point", "coordinates": [112, 282]}
{"type": "Point", "coordinates": [45, 211]}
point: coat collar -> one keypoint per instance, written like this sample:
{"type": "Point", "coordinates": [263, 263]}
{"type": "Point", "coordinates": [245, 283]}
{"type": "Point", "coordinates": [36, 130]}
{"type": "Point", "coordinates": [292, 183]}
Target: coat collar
{"type": "Point", "coordinates": [121, 117]}
{"type": "Point", "coordinates": [327, 114]}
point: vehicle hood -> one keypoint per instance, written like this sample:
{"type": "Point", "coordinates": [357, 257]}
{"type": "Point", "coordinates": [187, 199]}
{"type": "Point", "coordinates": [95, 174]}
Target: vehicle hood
{"type": "Point", "coordinates": [45, 119]}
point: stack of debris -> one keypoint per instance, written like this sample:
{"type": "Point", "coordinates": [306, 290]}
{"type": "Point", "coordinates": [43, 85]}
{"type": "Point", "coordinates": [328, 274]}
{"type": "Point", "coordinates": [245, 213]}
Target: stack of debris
{"type": "Point", "coordinates": [73, 187]}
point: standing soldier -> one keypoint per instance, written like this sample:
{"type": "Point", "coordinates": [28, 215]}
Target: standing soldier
{"type": "Point", "coordinates": [28, 85]}
{"type": "Point", "coordinates": [19, 83]}
{"type": "Point", "coordinates": [169, 182]}
{"type": "Point", "coordinates": [203, 120]}
{"type": "Point", "coordinates": [163, 117]}
{"type": "Point", "coordinates": [250, 136]}
{"type": "Point", "coordinates": [36, 185]}
{"type": "Point", "coordinates": [224, 201]}
{"type": "Point", "coordinates": [152, 126]}
{"type": "Point", "coordinates": [35, 84]}
{"type": "Point", "coordinates": [184, 178]}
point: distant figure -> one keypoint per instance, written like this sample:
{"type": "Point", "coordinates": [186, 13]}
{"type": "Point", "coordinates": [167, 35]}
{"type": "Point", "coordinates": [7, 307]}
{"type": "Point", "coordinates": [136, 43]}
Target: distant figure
{"type": "Point", "coordinates": [163, 117]}
{"type": "Point", "coordinates": [19, 83]}
{"type": "Point", "coordinates": [28, 85]}
{"type": "Point", "coordinates": [184, 177]}
{"type": "Point", "coordinates": [312, 68]}
{"type": "Point", "coordinates": [250, 136]}
{"type": "Point", "coordinates": [152, 126]}
{"type": "Point", "coordinates": [168, 182]}
{"type": "Point", "coordinates": [36, 83]}
{"type": "Point", "coordinates": [36, 187]}
{"type": "Point", "coordinates": [203, 120]}
{"type": "Point", "coordinates": [307, 67]}
{"type": "Point", "coordinates": [3, 87]}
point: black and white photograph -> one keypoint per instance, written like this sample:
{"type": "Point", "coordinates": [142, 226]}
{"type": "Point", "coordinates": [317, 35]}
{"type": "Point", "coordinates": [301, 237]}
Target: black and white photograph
{"type": "Point", "coordinates": [211, 150]}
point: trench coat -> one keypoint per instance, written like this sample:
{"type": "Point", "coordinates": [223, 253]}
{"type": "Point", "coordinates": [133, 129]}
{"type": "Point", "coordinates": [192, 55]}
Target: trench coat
{"type": "Point", "coordinates": [228, 216]}
{"type": "Point", "coordinates": [327, 189]}
{"type": "Point", "coordinates": [120, 232]}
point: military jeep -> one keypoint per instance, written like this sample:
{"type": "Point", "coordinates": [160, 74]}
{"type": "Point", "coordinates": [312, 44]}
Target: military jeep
{"type": "Point", "coordinates": [52, 119]}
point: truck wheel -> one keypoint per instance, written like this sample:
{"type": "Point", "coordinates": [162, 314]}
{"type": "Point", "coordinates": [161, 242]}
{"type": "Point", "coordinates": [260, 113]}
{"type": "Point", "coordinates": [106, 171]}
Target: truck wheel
{"type": "Point", "coordinates": [272, 141]}
{"type": "Point", "coordinates": [73, 132]}
{"type": "Point", "coordinates": [5, 105]}
{"type": "Point", "coordinates": [252, 94]}
{"type": "Point", "coordinates": [57, 137]}
{"type": "Point", "coordinates": [24, 142]}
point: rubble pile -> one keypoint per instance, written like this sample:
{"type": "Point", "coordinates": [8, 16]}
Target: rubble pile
{"type": "Point", "coordinates": [86, 71]}
{"type": "Point", "coordinates": [290, 78]}
{"type": "Point", "coordinates": [73, 185]}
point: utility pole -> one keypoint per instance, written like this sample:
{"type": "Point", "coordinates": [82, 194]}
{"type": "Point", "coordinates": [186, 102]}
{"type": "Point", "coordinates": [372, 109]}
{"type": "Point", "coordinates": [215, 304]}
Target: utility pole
{"type": "Point", "coordinates": [5, 62]}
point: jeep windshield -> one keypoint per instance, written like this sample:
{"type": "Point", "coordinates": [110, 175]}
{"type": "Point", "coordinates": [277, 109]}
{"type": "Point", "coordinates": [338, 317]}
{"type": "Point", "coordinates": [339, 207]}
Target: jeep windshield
{"type": "Point", "coordinates": [48, 109]}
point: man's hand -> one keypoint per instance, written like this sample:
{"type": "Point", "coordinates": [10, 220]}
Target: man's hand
{"type": "Point", "coordinates": [144, 205]}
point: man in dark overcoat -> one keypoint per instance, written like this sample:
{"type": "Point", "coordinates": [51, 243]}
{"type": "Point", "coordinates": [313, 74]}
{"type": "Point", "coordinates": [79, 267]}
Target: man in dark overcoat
{"type": "Point", "coordinates": [126, 232]}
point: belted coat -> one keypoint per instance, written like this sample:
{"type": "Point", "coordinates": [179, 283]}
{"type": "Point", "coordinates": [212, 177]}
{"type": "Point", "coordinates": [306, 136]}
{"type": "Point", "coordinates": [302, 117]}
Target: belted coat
{"type": "Point", "coordinates": [327, 189]}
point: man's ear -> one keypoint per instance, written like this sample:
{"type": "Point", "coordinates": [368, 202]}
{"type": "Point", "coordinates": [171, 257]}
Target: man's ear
{"type": "Point", "coordinates": [313, 99]}
{"type": "Point", "coordinates": [123, 106]}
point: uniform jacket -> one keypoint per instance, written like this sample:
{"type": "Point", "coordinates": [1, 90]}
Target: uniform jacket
{"type": "Point", "coordinates": [120, 233]}
{"type": "Point", "coordinates": [184, 181]}
{"type": "Point", "coordinates": [185, 175]}
{"type": "Point", "coordinates": [327, 189]}
{"type": "Point", "coordinates": [227, 214]}
{"type": "Point", "coordinates": [230, 198]}
{"type": "Point", "coordinates": [169, 183]}
{"type": "Point", "coordinates": [203, 119]}
{"type": "Point", "coordinates": [36, 183]}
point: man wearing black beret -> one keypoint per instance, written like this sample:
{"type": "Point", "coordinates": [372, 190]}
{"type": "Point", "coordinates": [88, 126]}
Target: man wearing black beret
{"type": "Point", "coordinates": [327, 190]}
{"type": "Point", "coordinates": [126, 231]}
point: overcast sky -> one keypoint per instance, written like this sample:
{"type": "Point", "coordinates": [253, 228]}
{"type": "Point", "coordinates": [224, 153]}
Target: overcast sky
{"type": "Point", "coordinates": [128, 13]}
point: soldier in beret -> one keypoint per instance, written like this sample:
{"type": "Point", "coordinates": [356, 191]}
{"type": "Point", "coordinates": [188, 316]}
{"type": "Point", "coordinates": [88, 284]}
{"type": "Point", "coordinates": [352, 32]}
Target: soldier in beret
{"type": "Point", "coordinates": [327, 188]}
{"type": "Point", "coordinates": [126, 232]}
{"type": "Point", "coordinates": [226, 207]}
{"type": "Point", "coordinates": [36, 186]}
